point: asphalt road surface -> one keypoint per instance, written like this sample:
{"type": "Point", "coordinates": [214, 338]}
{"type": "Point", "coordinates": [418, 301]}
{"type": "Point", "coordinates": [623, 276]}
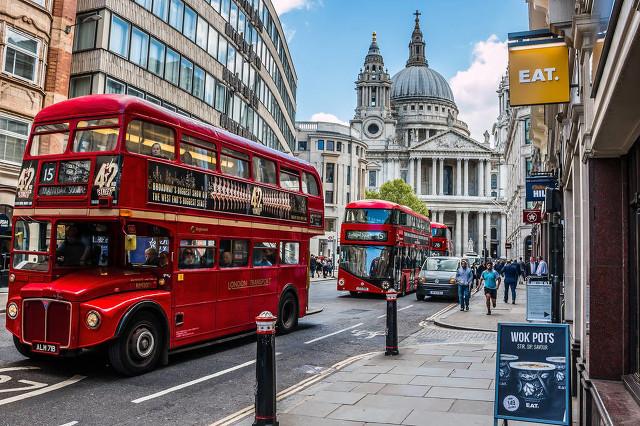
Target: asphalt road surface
{"type": "Point", "coordinates": [199, 386]}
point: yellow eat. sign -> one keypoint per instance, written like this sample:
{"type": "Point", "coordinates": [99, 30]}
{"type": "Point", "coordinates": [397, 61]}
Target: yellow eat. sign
{"type": "Point", "coordinates": [538, 74]}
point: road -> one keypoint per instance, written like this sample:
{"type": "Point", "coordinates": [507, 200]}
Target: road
{"type": "Point", "coordinates": [200, 386]}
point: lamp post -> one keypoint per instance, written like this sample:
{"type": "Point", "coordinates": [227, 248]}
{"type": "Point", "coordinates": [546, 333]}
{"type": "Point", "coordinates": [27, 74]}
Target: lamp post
{"type": "Point", "coordinates": [484, 248]}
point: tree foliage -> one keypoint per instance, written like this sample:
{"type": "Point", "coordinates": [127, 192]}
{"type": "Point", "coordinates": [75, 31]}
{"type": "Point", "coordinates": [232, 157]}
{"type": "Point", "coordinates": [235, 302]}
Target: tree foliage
{"type": "Point", "coordinates": [397, 191]}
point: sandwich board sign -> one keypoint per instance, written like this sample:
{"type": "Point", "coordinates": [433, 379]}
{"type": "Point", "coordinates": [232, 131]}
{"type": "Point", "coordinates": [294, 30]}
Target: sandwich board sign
{"type": "Point", "coordinates": [539, 295]}
{"type": "Point", "coordinates": [532, 379]}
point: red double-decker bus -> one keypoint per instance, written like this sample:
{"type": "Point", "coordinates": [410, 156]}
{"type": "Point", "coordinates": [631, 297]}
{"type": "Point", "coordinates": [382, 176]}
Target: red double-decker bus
{"type": "Point", "coordinates": [441, 243]}
{"type": "Point", "coordinates": [382, 246]}
{"type": "Point", "coordinates": [144, 232]}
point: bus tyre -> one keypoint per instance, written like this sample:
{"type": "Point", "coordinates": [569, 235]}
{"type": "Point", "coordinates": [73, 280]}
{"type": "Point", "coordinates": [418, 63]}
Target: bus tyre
{"type": "Point", "coordinates": [419, 296]}
{"type": "Point", "coordinates": [353, 293]}
{"type": "Point", "coordinates": [138, 348]}
{"type": "Point", "coordinates": [287, 313]}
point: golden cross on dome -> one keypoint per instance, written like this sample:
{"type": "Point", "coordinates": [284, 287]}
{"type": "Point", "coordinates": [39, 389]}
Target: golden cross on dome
{"type": "Point", "coordinates": [373, 35]}
{"type": "Point", "coordinates": [417, 15]}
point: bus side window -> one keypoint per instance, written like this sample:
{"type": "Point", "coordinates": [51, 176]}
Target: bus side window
{"type": "Point", "coordinates": [264, 254]}
{"type": "Point", "coordinates": [234, 163]}
{"type": "Point", "coordinates": [289, 179]}
{"type": "Point", "coordinates": [309, 184]}
{"type": "Point", "coordinates": [197, 152]}
{"type": "Point", "coordinates": [264, 170]}
{"type": "Point", "coordinates": [197, 254]}
{"type": "Point", "coordinates": [150, 139]}
{"type": "Point", "coordinates": [233, 253]}
{"type": "Point", "coordinates": [289, 253]}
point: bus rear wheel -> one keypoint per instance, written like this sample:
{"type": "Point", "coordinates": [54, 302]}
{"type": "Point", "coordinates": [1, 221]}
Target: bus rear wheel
{"type": "Point", "coordinates": [287, 313]}
{"type": "Point", "coordinates": [138, 348]}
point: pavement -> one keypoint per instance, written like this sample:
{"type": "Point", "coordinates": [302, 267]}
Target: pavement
{"type": "Point", "coordinates": [447, 380]}
{"type": "Point", "coordinates": [3, 300]}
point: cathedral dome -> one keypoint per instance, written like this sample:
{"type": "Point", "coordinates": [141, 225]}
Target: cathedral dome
{"type": "Point", "coordinates": [420, 82]}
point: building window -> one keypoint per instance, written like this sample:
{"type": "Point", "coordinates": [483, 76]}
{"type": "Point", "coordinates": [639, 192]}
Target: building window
{"type": "Point", "coordinates": [348, 197]}
{"type": "Point", "coordinates": [527, 131]}
{"type": "Point", "coordinates": [494, 181]}
{"type": "Point", "coordinates": [113, 86]}
{"type": "Point", "coordinates": [186, 74]}
{"type": "Point", "coordinates": [349, 148]}
{"type": "Point", "coordinates": [348, 175]}
{"type": "Point", "coordinates": [176, 13]}
{"type": "Point", "coordinates": [212, 45]}
{"type": "Point", "coordinates": [119, 39]}
{"type": "Point", "coordinates": [329, 172]}
{"type": "Point", "coordinates": [328, 197]}
{"type": "Point", "coordinates": [161, 9]}
{"type": "Point", "coordinates": [372, 179]}
{"type": "Point", "coordinates": [139, 47]}
{"type": "Point", "coordinates": [202, 33]}
{"type": "Point", "coordinates": [13, 138]}
{"type": "Point", "coordinates": [156, 57]}
{"type": "Point", "coordinates": [221, 96]}
{"type": "Point", "coordinates": [302, 145]}
{"type": "Point", "coordinates": [330, 225]}
{"type": "Point", "coordinates": [190, 19]}
{"type": "Point", "coordinates": [339, 147]}
{"type": "Point", "coordinates": [198, 83]}
{"type": "Point", "coordinates": [320, 145]}
{"type": "Point", "coordinates": [172, 66]}
{"type": "Point", "coordinates": [330, 145]}
{"type": "Point", "coordinates": [135, 92]}
{"type": "Point", "coordinates": [528, 166]}
{"type": "Point", "coordinates": [21, 55]}
{"type": "Point", "coordinates": [80, 86]}
{"type": "Point", "coordinates": [85, 33]}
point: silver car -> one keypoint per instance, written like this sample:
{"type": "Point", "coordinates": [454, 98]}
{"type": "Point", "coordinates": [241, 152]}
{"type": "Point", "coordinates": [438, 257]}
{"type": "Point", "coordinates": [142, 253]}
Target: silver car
{"type": "Point", "coordinates": [438, 277]}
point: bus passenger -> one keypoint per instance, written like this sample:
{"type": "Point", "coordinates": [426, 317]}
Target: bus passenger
{"type": "Point", "coordinates": [151, 257]}
{"type": "Point", "coordinates": [186, 158]}
{"type": "Point", "coordinates": [188, 258]}
{"type": "Point", "coordinates": [156, 150]}
{"type": "Point", "coordinates": [164, 259]}
{"type": "Point", "coordinates": [225, 260]}
{"type": "Point", "coordinates": [72, 251]}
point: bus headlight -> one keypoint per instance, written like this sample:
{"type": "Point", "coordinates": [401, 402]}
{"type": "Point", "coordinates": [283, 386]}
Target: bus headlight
{"type": "Point", "coordinates": [385, 285]}
{"type": "Point", "coordinates": [12, 277]}
{"type": "Point", "coordinates": [92, 320]}
{"type": "Point", "coordinates": [341, 282]}
{"type": "Point", "coordinates": [12, 310]}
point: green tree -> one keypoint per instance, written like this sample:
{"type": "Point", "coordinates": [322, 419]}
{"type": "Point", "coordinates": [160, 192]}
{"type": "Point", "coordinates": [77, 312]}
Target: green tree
{"type": "Point", "coordinates": [397, 191]}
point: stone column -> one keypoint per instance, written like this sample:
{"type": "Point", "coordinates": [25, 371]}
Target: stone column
{"type": "Point", "coordinates": [487, 230]}
{"type": "Point", "coordinates": [441, 218]}
{"type": "Point", "coordinates": [488, 179]}
{"type": "Point", "coordinates": [466, 176]}
{"type": "Point", "coordinates": [458, 233]}
{"type": "Point", "coordinates": [434, 184]}
{"type": "Point", "coordinates": [459, 177]}
{"type": "Point", "coordinates": [419, 176]}
{"type": "Point", "coordinates": [503, 233]}
{"type": "Point", "coordinates": [441, 177]}
{"type": "Point", "coordinates": [480, 184]}
{"type": "Point", "coordinates": [410, 179]}
{"type": "Point", "coordinates": [465, 232]}
{"type": "Point", "coordinates": [480, 232]}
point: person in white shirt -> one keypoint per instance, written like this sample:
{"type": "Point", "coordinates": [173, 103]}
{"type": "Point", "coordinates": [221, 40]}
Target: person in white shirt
{"type": "Point", "coordinates": [533, 266]}
{"type": "Point", "coordinates": [542, 267]}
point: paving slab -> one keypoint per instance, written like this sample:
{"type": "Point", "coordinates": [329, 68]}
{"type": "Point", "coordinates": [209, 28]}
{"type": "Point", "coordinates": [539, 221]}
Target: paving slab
{"type": "Point", "coordinates": [428, 418]}
{"type": "Point", "coordinates": [452, 382]}
{"type": "Point", "coordinates": [375, 369]}
{"type": "Point", "coordinates": [392, 402]}
{"type": "Point", "coordinates": [369, 414]}
{"type": "Point", "coordinates": [316, 387]}
{"type": "Point", "coordinates": [474, 374]}
{"type": "Point", "coordinates": [338, 397]}
{"type": "Point", "coordinates": [344, 376]}
{"type": "Point", "coordinates": [340, 386]}
{"type": "Point", "coordinates": [436, 351]}
{"type": "Point", "coordinates": [404, 390]}
{"type": "Point", "coordinates": [422, 371]}
{"type": "Point", "coordinates": [453, 358]}
{"type": "Point", "coordinates": [314, 408]}
{"type": "Point", "coordinates": [472, 407]}
{"type": "Point", "coordinates": [397, 379]}
{"type": "Point", "coordinates": [287, 419]}
{"type": "Point", "coordinates": [451, 365]}
{"type": "Point", "coordinates": [369, 387]}
{"type": "Point", "coordinates": [461, 393]}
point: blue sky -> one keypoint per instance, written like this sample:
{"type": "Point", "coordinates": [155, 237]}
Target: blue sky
{"type": "Point", "coordinates": [464, 42]}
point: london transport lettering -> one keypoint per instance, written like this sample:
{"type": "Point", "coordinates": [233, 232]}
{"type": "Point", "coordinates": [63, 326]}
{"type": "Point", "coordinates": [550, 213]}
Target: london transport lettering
{"type": "Point", "coordinates": [187, 188]}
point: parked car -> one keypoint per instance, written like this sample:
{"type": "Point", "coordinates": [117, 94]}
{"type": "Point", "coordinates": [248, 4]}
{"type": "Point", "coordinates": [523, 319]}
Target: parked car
{"type": "Point", "coordinates": [438, 277]}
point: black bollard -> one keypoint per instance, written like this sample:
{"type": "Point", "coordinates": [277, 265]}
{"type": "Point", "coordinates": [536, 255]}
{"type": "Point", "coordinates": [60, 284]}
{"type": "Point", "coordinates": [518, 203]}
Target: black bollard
{"type": "Point", "coordinates": [266, 370]}
{"type": "Point", "coordinates": [392, 323]}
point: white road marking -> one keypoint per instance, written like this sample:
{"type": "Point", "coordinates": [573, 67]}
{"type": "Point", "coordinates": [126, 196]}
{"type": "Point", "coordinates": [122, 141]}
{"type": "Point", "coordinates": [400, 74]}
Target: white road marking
{"type": "Point", "coordinates": [333, 334]}
{"type": "Point", "coordinates": [41, 391]}
{"type": "Point", "coordinates": [2, 370]}
{"type": "Point", "coordinates": [401, 309]}
{"type": "Point", "coordinates": [32, 385]}
{"type": "Point", "coordinates": [193, 382]}
{"type": "Point", "coordinates": [75, 422]}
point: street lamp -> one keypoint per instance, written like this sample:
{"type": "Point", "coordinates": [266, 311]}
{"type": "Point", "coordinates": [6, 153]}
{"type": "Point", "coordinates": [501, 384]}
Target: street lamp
{"type": "Point", "coordinates": [484, 249]}
{"type": "Point", "coordinates": [90, 18]}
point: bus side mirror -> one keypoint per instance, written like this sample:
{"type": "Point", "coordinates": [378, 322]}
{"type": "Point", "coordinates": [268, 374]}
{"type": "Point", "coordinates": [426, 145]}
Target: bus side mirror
{"type": "Point", "coordinates": [130, 242]}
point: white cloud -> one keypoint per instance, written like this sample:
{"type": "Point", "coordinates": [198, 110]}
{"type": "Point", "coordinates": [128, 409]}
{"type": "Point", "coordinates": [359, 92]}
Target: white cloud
{"type": "Point", "coordinates": [474, 89]}
{"type": "Point", "coordinates": [284, 6]}
{"type": "Point", "coordinates": [288, 32]}
{"type": "Point", "coordinates": [325, 116]}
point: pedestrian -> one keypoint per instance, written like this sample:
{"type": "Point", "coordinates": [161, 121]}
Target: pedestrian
{"type": "Point", "coordinates": [522, 265]}
{"type": "Point", "coordinates": [491, 280]}
{"type": "Point", "coordinates": [511, 272]}
{"type": "Point", "coordinates": [319, 266]}
{"type": "Point", "coordinates": [532, 267]}
{"type": "Point", "coordinates": [542, 267]}
{"type": "Point", "coordinates": [464, 279]}
{"type": "Point", "coordinates": [312, 265]}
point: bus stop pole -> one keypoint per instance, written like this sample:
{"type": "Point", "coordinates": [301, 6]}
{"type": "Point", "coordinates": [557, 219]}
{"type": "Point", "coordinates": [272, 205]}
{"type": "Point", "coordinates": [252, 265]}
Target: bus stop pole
{"type": "Point", "coordinates": [392, 323]}
{"type": "Point", "coordinates": [265, 405]}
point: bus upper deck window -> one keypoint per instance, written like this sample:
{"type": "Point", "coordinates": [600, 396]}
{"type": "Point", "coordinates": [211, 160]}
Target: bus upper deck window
{"type": "Point", "coordinates": [96, 135]}
{"type": "Point", "coordinates": [234, 163]}
{"type": "Point", "coordinates": [150, 139]}
{"type": "Point", "coordinates": [309, 184]}
{"type": "Point", "coordinates": [264, 170]}
{"type": "Point", "coordinates": [54, 141]}
{"type": "Point", "coordinates": [289, 180]}
{"type": "Point", "coordinates": [197, 152]}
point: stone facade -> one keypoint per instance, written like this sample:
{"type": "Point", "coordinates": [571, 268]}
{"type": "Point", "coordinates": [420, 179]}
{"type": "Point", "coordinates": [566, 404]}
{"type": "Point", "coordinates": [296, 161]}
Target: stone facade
{"type": "Point", "coordinates": [338, 153]}
{"type": "Point", "coordinates": [411, 127]}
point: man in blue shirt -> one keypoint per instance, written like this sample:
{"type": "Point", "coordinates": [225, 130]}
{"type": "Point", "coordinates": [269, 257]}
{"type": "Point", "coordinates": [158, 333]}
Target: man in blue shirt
{"type": "Point", "coordinates": [511, 273]}
{"type": "Point", "coordinates": [464, 279]}
{"type": "Point", "coordinates": [491, 280]}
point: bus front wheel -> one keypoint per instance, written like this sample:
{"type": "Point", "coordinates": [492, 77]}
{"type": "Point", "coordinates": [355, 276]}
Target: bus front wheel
{"type": "Point", "coordinates": [287, 313]}
{"type": "Point", "coordinates": [138, 348]}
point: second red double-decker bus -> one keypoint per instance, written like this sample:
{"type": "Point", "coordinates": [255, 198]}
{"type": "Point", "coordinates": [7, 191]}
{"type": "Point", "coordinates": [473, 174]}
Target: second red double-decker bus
{"type": "Point", "coordinates": [382, 246]}
{"type": "Point", "coordinates": [441, 243]}
{"type": "Point", "coordinates": [144, 232]}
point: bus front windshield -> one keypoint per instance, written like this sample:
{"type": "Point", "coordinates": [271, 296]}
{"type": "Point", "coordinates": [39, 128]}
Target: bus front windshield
{"type": "Point", "coordinates": [375, 262]}
{"type": "Point", "coordinates": [373, 216]}
{"type": "Point", "coordinates": [439, 232]}
{"type": "Point", "coordinates": [84, 244]}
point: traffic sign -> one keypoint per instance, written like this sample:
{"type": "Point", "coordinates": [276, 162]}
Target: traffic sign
{"type": "Point", "coordinates": [507, 245]}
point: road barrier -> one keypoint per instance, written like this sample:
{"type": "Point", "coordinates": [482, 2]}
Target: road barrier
{"type": "Point", "coordinates": [392, 323]}
{"type": "Point", "coordinates": [265, 414]}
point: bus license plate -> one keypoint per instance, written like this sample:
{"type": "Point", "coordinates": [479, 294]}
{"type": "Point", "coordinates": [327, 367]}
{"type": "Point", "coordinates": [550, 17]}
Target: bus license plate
{"type": "Point", "coordinates": [436, 292]}
{"type": "Point", "coordinates": [45, 348]}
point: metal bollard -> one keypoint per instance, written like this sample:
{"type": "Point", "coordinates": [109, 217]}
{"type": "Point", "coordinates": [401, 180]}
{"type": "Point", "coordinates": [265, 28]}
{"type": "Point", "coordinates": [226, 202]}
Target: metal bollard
{"type": "Point", "coordinates": [392, 323]}
{"type": "Point", "coordinates": [266, 371]}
